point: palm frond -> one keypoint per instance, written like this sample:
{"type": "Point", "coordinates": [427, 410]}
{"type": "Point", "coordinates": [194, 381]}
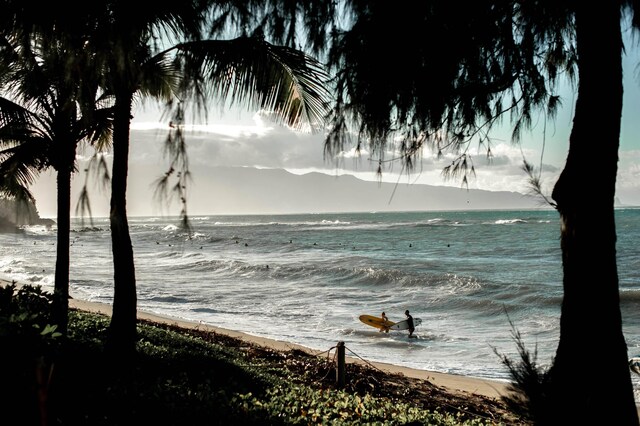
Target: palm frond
{"type": "Point", "coordinates": [83, 207]}
{"type": "Point", "coordinates": [98, 170]}
{"type": "Point", "coordinates": [20, 166]}
{"type": "Point", "coordinates": [14, 191]}
{"type": "Point", "coordinates": [12, 112]}
{"type": "Point", "coordinates": [160, 77]}
{"type": "Point", "coordinates": [250, 71]}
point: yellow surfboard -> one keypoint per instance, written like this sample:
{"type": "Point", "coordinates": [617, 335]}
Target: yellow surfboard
{"type": "Point", "coordinates": [376, 322]}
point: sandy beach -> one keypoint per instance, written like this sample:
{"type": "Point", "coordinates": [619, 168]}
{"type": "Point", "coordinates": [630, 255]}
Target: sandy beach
{"type": "Point", "coordinates": [455, 383]}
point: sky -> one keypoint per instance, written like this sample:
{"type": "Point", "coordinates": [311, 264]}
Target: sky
{"type": "Point", "coordinates": [245, 138]}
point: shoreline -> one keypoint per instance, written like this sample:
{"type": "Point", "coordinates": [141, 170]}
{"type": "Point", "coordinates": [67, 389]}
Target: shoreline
{"type": "Point", "coordinates": [452, 382]}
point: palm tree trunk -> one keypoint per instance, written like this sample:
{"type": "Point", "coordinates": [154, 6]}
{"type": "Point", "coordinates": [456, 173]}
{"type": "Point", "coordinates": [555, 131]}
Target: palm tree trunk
{"type": "Point", "coordinates": [60, 304]}
{"type": "Point", "coordinates": [591, 324]}
{"type": "Point", "coordinates": [122, 330]}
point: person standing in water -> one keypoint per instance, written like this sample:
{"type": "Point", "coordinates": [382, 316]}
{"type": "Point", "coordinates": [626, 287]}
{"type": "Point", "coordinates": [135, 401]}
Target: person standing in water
{"type": "Point", "coordinates": [410, 322]}
{"type": "Point", "coordinates": [385, 328]}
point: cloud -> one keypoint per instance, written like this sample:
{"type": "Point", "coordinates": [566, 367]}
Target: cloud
{"type": "Point", "coordinates": [261, 144]}
{"type": "Point", "coordinates": [628, 180]}
{"type": "Point", "coordinates": [271, 146]}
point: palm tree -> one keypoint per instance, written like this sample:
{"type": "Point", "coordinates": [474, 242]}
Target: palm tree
{"type": "Point", "coordinates": [246, 70]}
{"type": "Point", "coordinates": [43, 118]}
{"type": "Point", "coordinates": [448, 74]}
{"type": "Point", "coordinates": [124, 41]}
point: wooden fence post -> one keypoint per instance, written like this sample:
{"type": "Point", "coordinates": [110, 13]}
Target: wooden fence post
{"type": "Point", "coordinates": [340, 365]}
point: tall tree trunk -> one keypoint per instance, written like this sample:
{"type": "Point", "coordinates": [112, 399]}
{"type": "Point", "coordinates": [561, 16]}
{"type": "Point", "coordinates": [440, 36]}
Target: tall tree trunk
{"type": "Point", "coordinates": [590, 379]}
{"type": "Point", "coordinates": [60, 304]}
{"type": "Point", "coordinates": [122, 330]}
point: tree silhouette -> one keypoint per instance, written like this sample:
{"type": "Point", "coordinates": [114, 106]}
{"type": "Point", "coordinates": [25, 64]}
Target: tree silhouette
{"type": "Point", "coordinates": [159, 53]}
{"type": "Point", "coordinates": [51, 105]}
{"type": "Point", "coordinates": [440, 74]}
{"type": "Point", "coordinates": [191, 70]}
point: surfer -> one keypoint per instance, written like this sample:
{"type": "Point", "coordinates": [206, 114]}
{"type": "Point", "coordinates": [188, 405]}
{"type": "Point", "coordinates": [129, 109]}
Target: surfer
{"type": "Point", "coordinates": [385, 328]}
{"type": "Point", "coordinates": [410, 322]}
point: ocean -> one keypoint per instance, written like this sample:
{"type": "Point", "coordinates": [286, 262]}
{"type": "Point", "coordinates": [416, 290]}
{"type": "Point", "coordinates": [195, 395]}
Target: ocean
{"type": "Point", "coordinates": [472, 277]}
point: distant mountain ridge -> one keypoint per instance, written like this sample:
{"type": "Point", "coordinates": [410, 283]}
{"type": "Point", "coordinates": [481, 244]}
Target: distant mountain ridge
{"type": "Point", "coordinates": [217, 190]}
{"type": "Point", "coordinates": [244, 190]}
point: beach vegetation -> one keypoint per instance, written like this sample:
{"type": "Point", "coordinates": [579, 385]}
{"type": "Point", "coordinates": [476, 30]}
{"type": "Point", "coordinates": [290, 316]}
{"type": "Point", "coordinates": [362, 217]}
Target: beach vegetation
{"type": "Point", "coordinates": [185, 376]}
{"type": "Point", "coordinates": [26, 323]}
{"type": "Point", "coordinates": [529, 387]}
{"type": "Point", "coordinates": [30, 346]}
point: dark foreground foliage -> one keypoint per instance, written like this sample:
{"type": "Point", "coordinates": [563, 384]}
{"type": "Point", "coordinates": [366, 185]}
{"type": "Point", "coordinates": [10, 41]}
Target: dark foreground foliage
{"type": "Point", "coordinates": [189, 376]}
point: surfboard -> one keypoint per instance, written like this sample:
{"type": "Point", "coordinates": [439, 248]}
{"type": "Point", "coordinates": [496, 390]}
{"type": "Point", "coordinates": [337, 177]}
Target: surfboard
{"type": "Point", "coordinates": [376, 322]}
{"type": "Point", "coordinates": [404, 324]}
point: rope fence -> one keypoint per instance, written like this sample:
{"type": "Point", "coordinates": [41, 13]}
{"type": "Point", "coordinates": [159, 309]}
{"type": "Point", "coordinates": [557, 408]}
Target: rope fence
{"type": "Point", "coordinates": [339, 359]}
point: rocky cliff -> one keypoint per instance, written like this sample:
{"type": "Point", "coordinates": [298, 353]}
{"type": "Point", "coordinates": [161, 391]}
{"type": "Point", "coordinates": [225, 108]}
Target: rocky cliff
{"type": "Point", "coordinates": [13, 215]}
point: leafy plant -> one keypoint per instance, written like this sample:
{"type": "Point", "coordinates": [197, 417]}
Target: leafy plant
{"type": "Point", "coordinates": [300, 404]}
{"type": "Point", "coordinates": [25, 315]}
{"type": "Point", "coordinates": [183, 377]}
{"type": "Point", "coordinates": [29, 345]}
{"type": "Point", "coordinates": [529, 387]}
